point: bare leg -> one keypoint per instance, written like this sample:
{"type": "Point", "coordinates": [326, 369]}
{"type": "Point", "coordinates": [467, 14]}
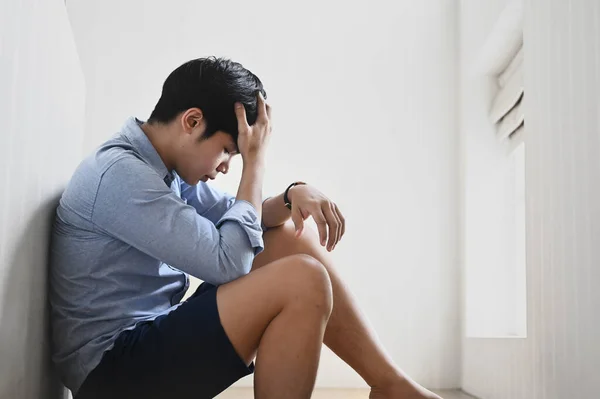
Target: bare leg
{"type": "Point", "coordinates": [272, 311]}
{"type": "Point", "coordinates": [348, 333]}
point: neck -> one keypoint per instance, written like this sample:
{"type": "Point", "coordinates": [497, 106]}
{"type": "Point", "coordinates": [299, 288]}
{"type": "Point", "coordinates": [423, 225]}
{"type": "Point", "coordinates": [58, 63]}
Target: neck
{"type": "Point", "coordinates": [161, 137]}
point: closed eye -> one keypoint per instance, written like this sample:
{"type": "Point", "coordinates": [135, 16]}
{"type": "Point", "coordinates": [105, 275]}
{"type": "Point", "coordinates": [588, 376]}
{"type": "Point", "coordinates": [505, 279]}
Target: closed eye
{"type": "Point", "coordinates": [231, 152]}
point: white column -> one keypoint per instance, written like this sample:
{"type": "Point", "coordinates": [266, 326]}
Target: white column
{"type": "Point", "coordinates": [562, 67]}
{"type": "Point", "coordinates": [41, 136]}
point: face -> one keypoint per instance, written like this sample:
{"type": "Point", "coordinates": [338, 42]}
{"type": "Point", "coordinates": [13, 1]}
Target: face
{"type": "Point", "coordinates": [200, 159]}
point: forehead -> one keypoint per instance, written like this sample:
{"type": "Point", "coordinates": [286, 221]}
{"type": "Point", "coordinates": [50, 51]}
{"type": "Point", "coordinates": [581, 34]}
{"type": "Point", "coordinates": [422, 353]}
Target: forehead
{"type": "Point", "coordinates": [224, 139]}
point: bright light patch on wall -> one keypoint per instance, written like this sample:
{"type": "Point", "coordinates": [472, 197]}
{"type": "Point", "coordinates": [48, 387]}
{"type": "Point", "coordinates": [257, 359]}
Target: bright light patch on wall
{"type": "Point", "coordinates": [496, 304]}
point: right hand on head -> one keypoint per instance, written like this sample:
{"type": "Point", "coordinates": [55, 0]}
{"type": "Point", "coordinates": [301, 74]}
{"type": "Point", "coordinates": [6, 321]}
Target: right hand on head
{"type": "Point", "coordinates": [252, 140]}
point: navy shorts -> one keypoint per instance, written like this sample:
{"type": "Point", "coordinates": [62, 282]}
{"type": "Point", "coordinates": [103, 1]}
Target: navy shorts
{"type": "Point", "coordinates": [185, 354]}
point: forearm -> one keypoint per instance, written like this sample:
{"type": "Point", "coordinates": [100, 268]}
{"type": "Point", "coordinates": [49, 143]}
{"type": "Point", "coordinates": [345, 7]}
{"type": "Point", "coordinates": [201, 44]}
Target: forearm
{"type": "Point", "coordinates": [251, 183]}
{"type": "Point", "coordinates": [274, 211]}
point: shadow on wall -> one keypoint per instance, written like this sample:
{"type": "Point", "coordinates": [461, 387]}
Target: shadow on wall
{"type": "Point", "coordinates": [26, 371]}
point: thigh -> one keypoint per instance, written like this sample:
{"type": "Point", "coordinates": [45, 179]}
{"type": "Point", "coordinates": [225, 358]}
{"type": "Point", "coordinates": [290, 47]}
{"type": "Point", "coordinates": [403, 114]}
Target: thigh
{"type": "Point", "coordinates": [249, 304]}
{"type": "Point", "coordinates": [183, 354]}
{"type": "Point", "coordinates": [281, 241]}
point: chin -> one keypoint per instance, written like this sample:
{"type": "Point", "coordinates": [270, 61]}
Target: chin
{"type": "Point", "coordinates": [190, 181]}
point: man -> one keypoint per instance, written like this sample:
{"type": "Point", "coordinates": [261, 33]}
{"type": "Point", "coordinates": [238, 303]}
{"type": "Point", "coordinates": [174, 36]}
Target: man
{"type": "Point", "coordinates": [138, 216]}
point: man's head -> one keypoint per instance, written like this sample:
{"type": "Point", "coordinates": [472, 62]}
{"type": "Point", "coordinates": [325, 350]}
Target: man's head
{"type": "Point", "coordinates": [196, 108]}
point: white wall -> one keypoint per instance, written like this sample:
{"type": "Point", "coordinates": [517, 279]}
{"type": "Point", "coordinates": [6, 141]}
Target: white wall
{"type": "Point", "coordinates": [489, 185]}
{"type": "Point", "coordinates": [364, 105]}
{"type": "Point", "coordinates": [487, 363]}
{"type": "Point", "coordinates": [561, 354]}
{"type": "Point", "coordinates": [41, 128]}
{"type": "Point", "coordinates": [563, 76]}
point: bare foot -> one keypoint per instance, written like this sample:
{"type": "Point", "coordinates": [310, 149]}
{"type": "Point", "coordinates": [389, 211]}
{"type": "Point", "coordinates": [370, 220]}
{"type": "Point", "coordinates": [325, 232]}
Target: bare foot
{"type": "Point", "coordinates": [402, 389]}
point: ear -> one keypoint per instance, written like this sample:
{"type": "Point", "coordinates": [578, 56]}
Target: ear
{"type": "Point", "coordinates": [191, 119]}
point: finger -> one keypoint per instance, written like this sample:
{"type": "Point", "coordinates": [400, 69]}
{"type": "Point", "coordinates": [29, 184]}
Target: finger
{"type": "Point", "coordinates": [333, 225]}
{"type": "Point", "coordinates": [339, 224]}
{"type": "Point", "coordinates": [305, 215]}
{"type": "Point", "coordinates": [240, 113]}
{"type": "Point", "coordinates": [269, 111]}
{"type": "Point", "coordinates": [321, 222]}
{"type": "Point", "coordinates": [298, 220]}
{"type": "Point", "coordinates": [342, 220]}
{"type": "Point", "coordinates": [262, 108]}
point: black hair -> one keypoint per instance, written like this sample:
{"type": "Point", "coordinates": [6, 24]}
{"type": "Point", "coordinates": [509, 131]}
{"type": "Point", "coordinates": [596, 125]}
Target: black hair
{"type": "Point", "coordinates": [214, 85]}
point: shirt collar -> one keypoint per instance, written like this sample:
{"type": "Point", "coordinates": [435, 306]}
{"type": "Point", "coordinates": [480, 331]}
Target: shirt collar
{"type": "Point", "coordinates": [133, 132]}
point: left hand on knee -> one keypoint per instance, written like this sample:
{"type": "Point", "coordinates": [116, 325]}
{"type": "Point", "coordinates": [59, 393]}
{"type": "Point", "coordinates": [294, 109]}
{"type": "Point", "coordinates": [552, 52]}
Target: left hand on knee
{"type": "Point", "coordinates": [308, 201]}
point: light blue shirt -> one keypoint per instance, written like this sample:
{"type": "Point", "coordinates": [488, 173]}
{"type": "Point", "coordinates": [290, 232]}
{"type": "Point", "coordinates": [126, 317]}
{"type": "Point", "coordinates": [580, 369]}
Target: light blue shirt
{"type": "Point", "coordinates": [127, 233]}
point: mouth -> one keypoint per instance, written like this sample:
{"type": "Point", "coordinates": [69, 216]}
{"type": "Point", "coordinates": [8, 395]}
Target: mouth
{"type": "Point", "coordinates": [206, 178]}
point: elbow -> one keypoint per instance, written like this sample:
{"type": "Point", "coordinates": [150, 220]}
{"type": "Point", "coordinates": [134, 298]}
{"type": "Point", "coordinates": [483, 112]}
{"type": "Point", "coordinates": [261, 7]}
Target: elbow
{"type": "Point", "coordinates": [234, 267]}
{"type": "Point", "coordinates": [236, 251]}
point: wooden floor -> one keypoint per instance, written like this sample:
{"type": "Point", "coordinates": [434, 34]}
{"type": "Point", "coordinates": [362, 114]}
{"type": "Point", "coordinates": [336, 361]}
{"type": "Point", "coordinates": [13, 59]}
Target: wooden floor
{"type": "Point", "coordinates": [246, 393]}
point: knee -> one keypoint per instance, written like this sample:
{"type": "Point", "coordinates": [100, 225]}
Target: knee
{"type": "Point", "coordinates": [286, 235]}
{"type": "Point", "coordinates": [308, 282]}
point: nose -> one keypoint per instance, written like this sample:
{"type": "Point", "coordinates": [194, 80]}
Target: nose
{"type": "Point", "coordinates": [223, 168]}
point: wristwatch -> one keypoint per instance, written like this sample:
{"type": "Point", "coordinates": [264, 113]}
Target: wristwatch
{"type": "Point", "coordinates": [287, 201]}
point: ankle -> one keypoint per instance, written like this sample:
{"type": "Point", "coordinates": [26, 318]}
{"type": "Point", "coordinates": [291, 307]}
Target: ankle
{"type": "Point", "coordinates": [388, 378]}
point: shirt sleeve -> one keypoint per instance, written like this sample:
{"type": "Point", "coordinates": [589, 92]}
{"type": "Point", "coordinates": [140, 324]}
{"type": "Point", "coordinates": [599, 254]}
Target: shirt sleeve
{"type": "Point", "coordinates": [209, 201]}
{"type": "Point", "coordinates": [134, 205]}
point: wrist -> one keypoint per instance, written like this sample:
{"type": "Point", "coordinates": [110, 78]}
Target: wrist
{"type": "Point", "coordinates": [291, 192]}
{"type": "Point", "coordinates": [253, 163]}
{"type": "Point", "coordinates": [287, 195]}
{"type": "Point", "coordinates": [254, 157]}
